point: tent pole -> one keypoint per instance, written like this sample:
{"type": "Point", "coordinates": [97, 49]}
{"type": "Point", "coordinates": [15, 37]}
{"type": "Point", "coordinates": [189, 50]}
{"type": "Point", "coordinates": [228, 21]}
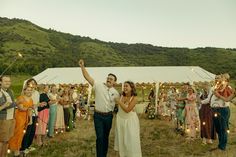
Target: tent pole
{"type": "Point", "coordinates": [156, 99]}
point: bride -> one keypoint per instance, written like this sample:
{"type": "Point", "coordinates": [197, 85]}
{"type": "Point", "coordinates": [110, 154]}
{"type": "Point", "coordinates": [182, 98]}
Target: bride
{"type": "Point", "coordinates": [127, 136]}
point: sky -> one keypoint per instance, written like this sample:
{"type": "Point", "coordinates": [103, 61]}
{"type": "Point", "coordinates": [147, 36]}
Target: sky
{"type": "Point", "coordinates": [167, 23]}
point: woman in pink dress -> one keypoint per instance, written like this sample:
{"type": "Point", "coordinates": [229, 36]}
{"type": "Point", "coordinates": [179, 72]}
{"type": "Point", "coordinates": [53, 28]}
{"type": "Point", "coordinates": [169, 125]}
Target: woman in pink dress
{"type": "Point", "coordinates": [191, 116]}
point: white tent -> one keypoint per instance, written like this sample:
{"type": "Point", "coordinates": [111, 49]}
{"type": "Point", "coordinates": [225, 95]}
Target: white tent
{"type": "Point", "coordinates": [136, 74]}
{"type": "Point", "coordinates": [148, 74]}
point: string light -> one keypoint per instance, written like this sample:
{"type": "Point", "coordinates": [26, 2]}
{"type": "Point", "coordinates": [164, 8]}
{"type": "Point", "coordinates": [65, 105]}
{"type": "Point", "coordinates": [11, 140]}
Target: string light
{"type": "Point", "coordinates": [203, 123]}
{"type": "Point", "coordinates": [20, 55]}
{"type": "Point", "coordinates": [24, 131]}
{"type": "Point", "coordinates": [8, 151]}
{"type": "Point", "coordinates": [196, 129]}
{"type": "Point", "coordinates": [228, 131]}
{"type": "Point", "coordinates": [215, 115]}
{"type": "Point", "coordinates": [37, 124]}
{"type": "Point", "coordinates": [62, 131]}
{"type": "Point", "coordinates": [188, 130]}
{"type": "Point", "coordinates": [47, 130]}
{"type": "Point", "coordinates": [56, 132]}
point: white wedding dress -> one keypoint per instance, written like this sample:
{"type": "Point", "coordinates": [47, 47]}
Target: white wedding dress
{"type": "Point", "coordinates": [127, 134]}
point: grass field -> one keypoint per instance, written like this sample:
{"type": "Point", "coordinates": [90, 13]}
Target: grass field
{"type": "Point", "coordinates": [158, 139]}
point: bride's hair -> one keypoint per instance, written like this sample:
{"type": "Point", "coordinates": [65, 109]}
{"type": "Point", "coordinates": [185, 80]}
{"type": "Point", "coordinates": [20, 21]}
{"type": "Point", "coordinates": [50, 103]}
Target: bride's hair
{"type": "Point", "coordinates": [133, 89]}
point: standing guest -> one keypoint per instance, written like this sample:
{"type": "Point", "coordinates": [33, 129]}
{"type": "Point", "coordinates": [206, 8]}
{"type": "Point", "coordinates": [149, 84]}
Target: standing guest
{"type": "Point", "coordinates": [180, 112]}
{"type": "Point", "coordinates": [225, 90]}
{"type": "Point", "coordinates": [71, 108]}
{"type": "Point", "coordinates": [172, 95]}
{"type": "Point", "coordinates": [23, 116]}
{"type": "Point", "coordinates": [65, 101]}
{"type": "Point", "coordinates": [228, 99]}
{"type": "Point", "coordinates": [163, 110]}
{"type": "Point", "coordinates": [206, 117]}
{"type": "Point", "coordinates": [52, 110]}
{"type": "Point", "coordinates": [191, 116]}
{"type": "Point", "coordinates": [60, 123]}
{"type": "Point", "coordinates": [43, 115]}
{"type": "Point", "coordinates": [30, 131]}
{"type": "Point", "coordinates": [7, 109]}
{"type": "Point", "coordinates": [127, 137]}
{"type": "Point", "coordinates": [221, 112]}
{"type": "Point", "coordinates": [151, 95]}
{"type": "Point", "coordinates": [105, 95]}
{"type": "Point", "coordinates": [75, 98]}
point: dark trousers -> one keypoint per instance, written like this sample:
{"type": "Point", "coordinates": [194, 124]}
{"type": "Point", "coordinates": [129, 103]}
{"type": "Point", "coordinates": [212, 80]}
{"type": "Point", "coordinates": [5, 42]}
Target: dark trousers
{"type": "Point", "coordinates": [74, 112]}
{"type": "Point", "coordinates": [102, 125]}
{"type": "Point", "coordinates": [29, 135]}
{"type": "Point", "coordinates": [221, 123]}
{"type": "Point", "coordinates": [66, 117]}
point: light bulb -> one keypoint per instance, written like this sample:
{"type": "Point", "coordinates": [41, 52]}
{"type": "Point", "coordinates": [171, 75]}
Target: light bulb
{"type": "Point", "coordinates": [19, 54]}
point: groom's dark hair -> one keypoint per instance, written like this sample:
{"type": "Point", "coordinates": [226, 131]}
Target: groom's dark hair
{"type": "Point", "coordinates": [113, 76]}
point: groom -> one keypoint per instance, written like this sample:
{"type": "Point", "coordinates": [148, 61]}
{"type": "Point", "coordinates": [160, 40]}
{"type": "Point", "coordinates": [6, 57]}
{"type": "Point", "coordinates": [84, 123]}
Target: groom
{"type": "Point", "coordinates": [105, 93]}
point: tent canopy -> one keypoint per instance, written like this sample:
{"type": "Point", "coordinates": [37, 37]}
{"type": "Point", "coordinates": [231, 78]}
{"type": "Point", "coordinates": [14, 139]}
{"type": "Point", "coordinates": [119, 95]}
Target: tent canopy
{"type": "Point", "coordinates": [148, 74]}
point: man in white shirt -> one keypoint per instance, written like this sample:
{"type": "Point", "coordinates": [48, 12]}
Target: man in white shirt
{"type": "Point", "coordinates": [105, 95]}
{"type": "Point", "coordinates": [221, 113]}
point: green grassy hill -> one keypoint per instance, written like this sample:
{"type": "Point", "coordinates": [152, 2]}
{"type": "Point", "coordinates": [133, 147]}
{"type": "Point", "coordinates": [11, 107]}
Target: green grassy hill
{"type": "Point", "coordinates": [44, 48]}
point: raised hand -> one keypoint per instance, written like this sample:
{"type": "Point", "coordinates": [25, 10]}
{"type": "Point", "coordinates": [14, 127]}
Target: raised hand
{"type": "Point", "coordinates": [81, 63]}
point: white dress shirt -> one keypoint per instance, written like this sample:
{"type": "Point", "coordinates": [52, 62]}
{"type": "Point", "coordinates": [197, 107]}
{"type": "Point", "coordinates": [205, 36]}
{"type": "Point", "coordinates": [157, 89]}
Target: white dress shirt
{"type": "Point", "coordinates": [104, 97]}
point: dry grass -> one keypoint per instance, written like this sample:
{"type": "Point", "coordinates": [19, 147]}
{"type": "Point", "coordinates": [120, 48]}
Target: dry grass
{"type": "Point", "coordinates": [158, 139]}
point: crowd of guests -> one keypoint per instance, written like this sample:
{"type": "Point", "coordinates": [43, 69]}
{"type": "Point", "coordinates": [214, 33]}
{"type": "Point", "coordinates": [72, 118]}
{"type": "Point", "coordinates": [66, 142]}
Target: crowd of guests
{"type": "Point", "coordinates": [43, 110]}
{"type": "Point", "coordinates": [40, 111]}
{"type": "Point", "coordinates": [206, 112]}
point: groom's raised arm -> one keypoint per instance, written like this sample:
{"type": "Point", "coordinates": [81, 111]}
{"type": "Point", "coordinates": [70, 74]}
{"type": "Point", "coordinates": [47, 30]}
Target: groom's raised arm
{"type": "Point", "coordinates": [85, 73]}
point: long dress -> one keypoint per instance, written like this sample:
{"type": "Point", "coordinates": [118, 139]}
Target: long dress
{"type": "Point", "coordinates": [52, 114]}
{"type": "Point", "coordinates": [43, 115]}
{"type": "Point", "coordinates": [206, 117]}
{"type": "Point", "coordinates": [60, 123]}
{"type": "Point", "coordinates": [22, 119]}
{"type": "Point", "coordinates": [127, 135]}
{"type": "Point", "coordinates": [191, 116]}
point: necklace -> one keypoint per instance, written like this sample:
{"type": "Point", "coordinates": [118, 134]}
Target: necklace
{"type": "Point", "coordinates": [126, 100]}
